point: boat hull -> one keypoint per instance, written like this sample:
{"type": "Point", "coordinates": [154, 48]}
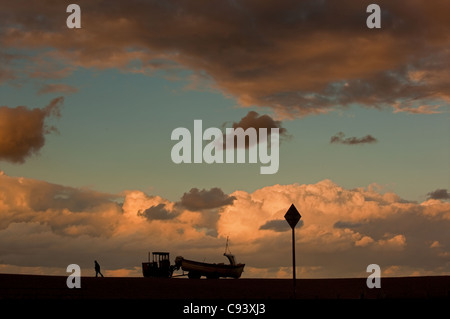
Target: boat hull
{"type": "Point", "coordinates": [197, 269]}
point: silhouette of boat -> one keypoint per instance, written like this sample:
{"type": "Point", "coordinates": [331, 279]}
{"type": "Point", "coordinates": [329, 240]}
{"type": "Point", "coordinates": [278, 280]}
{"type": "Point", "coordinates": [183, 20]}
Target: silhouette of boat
{"type": "Point", "coordinates": [197, 269]}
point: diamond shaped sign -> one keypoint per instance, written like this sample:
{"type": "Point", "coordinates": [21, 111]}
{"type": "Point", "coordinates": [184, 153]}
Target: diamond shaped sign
{"type": "Point", "coordinates": [292, 216]}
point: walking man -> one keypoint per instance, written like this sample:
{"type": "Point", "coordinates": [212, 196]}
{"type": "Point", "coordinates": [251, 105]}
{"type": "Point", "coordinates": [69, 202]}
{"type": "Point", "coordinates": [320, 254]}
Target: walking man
{"type": "Point", "coordinates": [97, 269]}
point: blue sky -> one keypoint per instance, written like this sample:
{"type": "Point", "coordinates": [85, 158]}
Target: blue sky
{"type": "Point", "coordinates": [114, 135]}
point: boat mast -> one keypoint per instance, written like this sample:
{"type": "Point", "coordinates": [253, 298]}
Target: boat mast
{"type": "Point", "coordinates": [226, 247]}
{"type": "Point", "coordinates": [229, 255]}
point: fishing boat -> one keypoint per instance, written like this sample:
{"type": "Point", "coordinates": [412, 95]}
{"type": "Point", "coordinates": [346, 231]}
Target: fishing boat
{"type": "Point", "coordinates": [198, 269]}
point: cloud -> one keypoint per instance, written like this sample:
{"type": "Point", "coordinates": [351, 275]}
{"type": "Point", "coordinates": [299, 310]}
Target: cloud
{"type": "Point", "coordinates": [435, 244]}
{"type": "Point", "coordinates": [421, 109]}
{"type": "Point", "coordinates": [342, 232]}
{"type": "Point", "coordinates": [197, 199]}
{"type": "Point", "coordinates": [364, 241]}
{"type": "Point", "coordinates": [339, 138]}
{"type": "Point", "coordinates": [256, 121]}
{"type": "Point", "coordinates": [344, 224]}
{"type": "Point", "coordinates": [278, 225]}
{"type": "Point", "coordinates": [297, 58]}
{"type": "Point", "coordinates": [23, 130]}
{"type": "Point", "coordinates": [54, 88]}
{"type": "Point", "coordinates": [397, 242]}
{"type": "Point", "coordinates": [44, 227]}
{"type": "Point", "coordinates": [157, 212]}
{"type": "Point", "coordinates": [439, 194]}
{"type": "Point", "coordinates": [66, 211]}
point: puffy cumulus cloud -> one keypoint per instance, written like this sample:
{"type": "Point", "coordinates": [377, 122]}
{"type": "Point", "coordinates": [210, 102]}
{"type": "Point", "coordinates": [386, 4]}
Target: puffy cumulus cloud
{"type": "Point", "coordinates": [396, 242]}
{"type": "Point", "coordinates": [256, 121]}
{"type": "Point", "coordinates": [50, 226]}
{"type": "Point", "coordinates": [22, 131]}
{"type": "Point", "coordinates": [342, 231]}
{"type": "Point", "coordinates": [157, 212]}
{"type": "Point", "coordinates": [208, 204]}
{"type": "Point", "coordinates": [439, 194]}
{"type": "Point", "coordinates": [197, 199]}
{"type": "Point", "coordinates": [45, 226]}
{"type": "Point", "coordinates": [297, 57]}
{"type": "Point", "coordinates": [64, 210]}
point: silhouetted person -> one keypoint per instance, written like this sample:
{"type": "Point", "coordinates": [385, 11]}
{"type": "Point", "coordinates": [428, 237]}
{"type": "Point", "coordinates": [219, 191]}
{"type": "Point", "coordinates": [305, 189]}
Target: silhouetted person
{"type": "Point", "coordinates": [97, 269]}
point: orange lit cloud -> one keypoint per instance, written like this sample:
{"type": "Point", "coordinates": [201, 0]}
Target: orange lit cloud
{"type": "Point", "coordinates": [44, 225]}
{"type": "Point", "coordinates": [22, 131]}
{"type": "Point", "coordinates": [297, 58]}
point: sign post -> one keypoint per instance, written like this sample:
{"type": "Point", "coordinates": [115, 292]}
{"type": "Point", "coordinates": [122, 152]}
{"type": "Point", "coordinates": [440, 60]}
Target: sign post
{"type": "Point", "coordinates": [292, 216]}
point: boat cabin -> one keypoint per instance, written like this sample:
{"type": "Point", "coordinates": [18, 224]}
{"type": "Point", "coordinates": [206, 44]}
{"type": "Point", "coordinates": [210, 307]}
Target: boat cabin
{"type": "Point", "coordinates": [231, 259]}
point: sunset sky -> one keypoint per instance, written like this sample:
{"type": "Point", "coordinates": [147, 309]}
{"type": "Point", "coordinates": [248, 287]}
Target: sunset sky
{"type": "Point", "coordinates": [86, 117]}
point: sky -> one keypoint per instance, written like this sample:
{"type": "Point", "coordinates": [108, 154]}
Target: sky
{"type": "Point", "coordinates": [86, 117]}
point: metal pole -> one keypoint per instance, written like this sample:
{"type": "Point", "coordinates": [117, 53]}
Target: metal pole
{"type": "Point", "coordinates": [293, 259]}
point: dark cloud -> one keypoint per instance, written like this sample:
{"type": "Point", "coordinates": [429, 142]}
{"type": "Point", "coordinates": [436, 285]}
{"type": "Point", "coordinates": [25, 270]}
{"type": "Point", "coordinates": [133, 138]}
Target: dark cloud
{"type": "Point", "coordinates": [296, 57]}
{"type": "Point", "coordinates": [279, 225]}
{"type": "Point", "coordinates": [23, 130]}
{"type": "Point", "coordinates": [344, 224]}
{"type": "Point", "coordinates": [253, 119]}
{"type": "Point", "coordinates": [439, 194]}
{"type": "Point", "coordinates": [339, 138]}
{"type": "Point", "coordinates": [158, 212]}
{"type": "Point", "coordinates": [197, 199]}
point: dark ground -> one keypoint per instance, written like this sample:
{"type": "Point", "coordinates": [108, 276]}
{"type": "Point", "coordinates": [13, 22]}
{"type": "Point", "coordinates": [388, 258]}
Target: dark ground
{"type": "Point", "coordinates": [133, 297]}
{"type": "Point", "coordinates": [54, 287]}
